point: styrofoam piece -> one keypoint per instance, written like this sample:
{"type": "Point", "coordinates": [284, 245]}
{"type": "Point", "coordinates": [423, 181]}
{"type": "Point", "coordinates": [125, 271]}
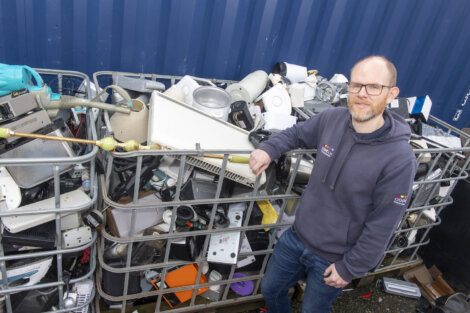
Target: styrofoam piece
{"type": "Point", "coordinates": [296, 92]}
{"type": "Point", "coordinates": [175, 125]}
{"type": "Point", "coordinates": [185, 87]}
{"type": "Point", "coordinates": [10, 193]}
{"type": "Point", "coordinates": [144, 218]}
{"type": "Point", "coordinates": [17, 223]}
{"type": "Point", "coordinates": [31, 273]}
{"type": "Point", "coordinates": [223, 248]}
{"type": "Point", "coordinates": [277, 100]}
{"type": "Point", "coordinates": [278, 121]}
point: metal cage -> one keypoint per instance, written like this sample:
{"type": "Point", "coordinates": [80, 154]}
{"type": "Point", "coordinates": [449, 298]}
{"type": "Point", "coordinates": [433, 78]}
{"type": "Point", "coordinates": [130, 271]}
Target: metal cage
{"type": "Point", "coordinates": [128, 273]}
{"type": "Point", "coordinates": [63, 82]}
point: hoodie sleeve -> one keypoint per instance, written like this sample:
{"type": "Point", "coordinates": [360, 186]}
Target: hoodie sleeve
{"type": "Point", "coordinates": [391, 197]}
{"type": "Point", "coordinates": [302, 135]}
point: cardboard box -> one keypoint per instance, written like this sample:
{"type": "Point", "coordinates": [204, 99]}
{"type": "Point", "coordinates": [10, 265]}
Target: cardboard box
{"type": "Point", "coordinates": [430, 282]}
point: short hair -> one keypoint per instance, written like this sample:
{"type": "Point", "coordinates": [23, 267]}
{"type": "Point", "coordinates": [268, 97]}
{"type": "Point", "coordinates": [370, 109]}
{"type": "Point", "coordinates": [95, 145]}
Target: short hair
{"type": "Point", "coordinates": [392, 70]}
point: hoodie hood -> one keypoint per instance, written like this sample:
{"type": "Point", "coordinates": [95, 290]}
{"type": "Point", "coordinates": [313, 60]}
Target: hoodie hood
{"type": "Point", "coordinates": [397, 130]}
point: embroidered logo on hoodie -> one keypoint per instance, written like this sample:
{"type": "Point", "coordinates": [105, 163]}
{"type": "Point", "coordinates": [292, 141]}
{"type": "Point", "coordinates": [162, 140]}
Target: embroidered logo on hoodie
{"type": "Point", "coordinates": [400, 199]}
{"type": "Point", "coordinates": [327, 150]}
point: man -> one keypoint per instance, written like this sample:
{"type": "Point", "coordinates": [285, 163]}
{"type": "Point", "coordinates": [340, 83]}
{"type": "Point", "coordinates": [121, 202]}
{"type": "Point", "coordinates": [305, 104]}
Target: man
{"type": "Point", "coordinates": [356, 195]}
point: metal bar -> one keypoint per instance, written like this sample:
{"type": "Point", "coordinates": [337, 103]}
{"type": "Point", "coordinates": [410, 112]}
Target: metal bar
{"type": "Point", "coordinates": [173, 289]}
{"type": "Point", "coordinates": [58, 233]}
{"type": "Point", "coordinates": [209, 227]}
{"type": "Point", "coordinates": [407, 211]}
{"type": "Point", "coordinates": [196, 233]}
{"type": "Point", "coordinates": [132, 228]}
{"type": "Point", "coordinates": [179, 183]}
{"type": "Point", "coordinates": [59, 82]}
{"type": "Point", "coordinates": [4, 284]}
{"type": "Point", "coordinates": [429, 206]}
{"type": "Point", "coordinates": [162, 265]}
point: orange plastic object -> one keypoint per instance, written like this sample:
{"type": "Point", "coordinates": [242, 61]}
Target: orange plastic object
{"type": "Point", "coordinates": [183, 276]}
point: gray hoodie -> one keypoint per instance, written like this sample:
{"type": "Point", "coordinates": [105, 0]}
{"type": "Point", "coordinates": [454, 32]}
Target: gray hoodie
{"type": "Point", "coordinates": [358, 190]}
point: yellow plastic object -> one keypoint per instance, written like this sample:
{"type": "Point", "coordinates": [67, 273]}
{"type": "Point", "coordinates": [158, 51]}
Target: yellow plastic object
{"type": "Point", "coordinates": [107, 144]}
{"type": "Point", "coordinates": [239, 159]}
{"type": "Point", "coordinates": [269, 213]}
{"type": "Point", "coordinates": [130, 145]}
{"type": "Point", "coordinates": [4, 133]}
{"type": "Point", "coordinates": [231, 158]}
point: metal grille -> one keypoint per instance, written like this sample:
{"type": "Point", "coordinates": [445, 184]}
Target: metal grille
{"type": "Point", "coordinates": [62, 82]}
{"type": "Point", "coordinates": [451, 162]}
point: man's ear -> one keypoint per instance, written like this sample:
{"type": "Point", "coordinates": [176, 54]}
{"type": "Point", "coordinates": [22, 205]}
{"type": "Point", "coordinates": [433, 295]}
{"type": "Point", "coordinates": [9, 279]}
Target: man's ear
{"type": "Point", "coordinates": [392, 94]}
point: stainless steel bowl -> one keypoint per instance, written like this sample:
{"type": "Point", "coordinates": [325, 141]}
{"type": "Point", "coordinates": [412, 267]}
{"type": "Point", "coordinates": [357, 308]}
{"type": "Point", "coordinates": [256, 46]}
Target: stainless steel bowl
{"type": "Point", "coordinates": [212, 100]}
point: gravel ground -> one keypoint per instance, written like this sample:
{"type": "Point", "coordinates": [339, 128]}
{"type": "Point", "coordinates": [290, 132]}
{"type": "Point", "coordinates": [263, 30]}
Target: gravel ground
{"type": "Point", "coordinates": [356, 301]}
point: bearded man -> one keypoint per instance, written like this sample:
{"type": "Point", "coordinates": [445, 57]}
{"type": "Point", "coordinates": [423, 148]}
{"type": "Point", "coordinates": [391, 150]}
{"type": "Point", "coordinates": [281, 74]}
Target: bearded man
{"type": "Point", "coordinates": [356, 196]}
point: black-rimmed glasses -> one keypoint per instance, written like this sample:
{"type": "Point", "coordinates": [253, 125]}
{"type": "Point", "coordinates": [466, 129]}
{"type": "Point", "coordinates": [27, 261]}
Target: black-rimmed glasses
{"type": "Point", "coordinates": [371, 89]}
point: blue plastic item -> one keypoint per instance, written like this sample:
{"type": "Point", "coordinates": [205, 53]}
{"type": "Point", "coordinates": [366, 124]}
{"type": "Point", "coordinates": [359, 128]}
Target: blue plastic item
{"type": "Point", "coordinates": [18, 77]}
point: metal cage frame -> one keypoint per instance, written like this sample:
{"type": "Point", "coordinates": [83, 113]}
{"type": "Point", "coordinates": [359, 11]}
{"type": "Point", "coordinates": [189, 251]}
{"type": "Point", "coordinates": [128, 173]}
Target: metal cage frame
{"type": "Point", "coordinates": [89, 157]}
{"type": "Point", "coordinates": [454, 169]}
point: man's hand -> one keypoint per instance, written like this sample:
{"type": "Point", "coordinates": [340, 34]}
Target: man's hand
{"type": "Point", "coordinates": [259, 161]}
{"type": "Point", "coordinates": [332, 277]}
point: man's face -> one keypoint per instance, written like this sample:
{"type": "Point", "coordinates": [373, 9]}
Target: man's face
{"type": "Point", "coordinates": [365, 107]}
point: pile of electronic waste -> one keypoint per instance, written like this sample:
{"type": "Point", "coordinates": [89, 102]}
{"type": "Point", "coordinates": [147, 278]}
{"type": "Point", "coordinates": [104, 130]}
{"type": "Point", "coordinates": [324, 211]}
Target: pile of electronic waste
{"type": "Point", "coordinates": [47, 191]}
{"type": "Point", "coordinates": [194, 114]}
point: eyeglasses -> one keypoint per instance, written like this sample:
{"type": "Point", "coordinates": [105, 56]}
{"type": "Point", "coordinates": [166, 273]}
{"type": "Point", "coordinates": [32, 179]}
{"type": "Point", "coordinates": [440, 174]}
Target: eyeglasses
{"type": "Point", "coordinates": [371, 89]}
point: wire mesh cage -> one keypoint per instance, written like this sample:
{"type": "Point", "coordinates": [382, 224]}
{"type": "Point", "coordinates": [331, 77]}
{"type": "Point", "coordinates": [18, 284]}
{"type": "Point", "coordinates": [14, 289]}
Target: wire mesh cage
{"type": "Point", "coordinates": [47, 259]}
{"type": "Point", "coordinates": [188, 229]}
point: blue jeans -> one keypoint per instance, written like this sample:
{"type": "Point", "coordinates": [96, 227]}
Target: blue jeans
{"type": "Point", "coordinates": [291, 261]}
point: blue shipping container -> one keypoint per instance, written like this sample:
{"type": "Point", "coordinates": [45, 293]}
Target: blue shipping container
{"type": "Point", "coordinates": [427, 40]}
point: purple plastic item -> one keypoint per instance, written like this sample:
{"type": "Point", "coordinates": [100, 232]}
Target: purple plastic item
{"type": "Point", "coordinates": [242, 288]}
